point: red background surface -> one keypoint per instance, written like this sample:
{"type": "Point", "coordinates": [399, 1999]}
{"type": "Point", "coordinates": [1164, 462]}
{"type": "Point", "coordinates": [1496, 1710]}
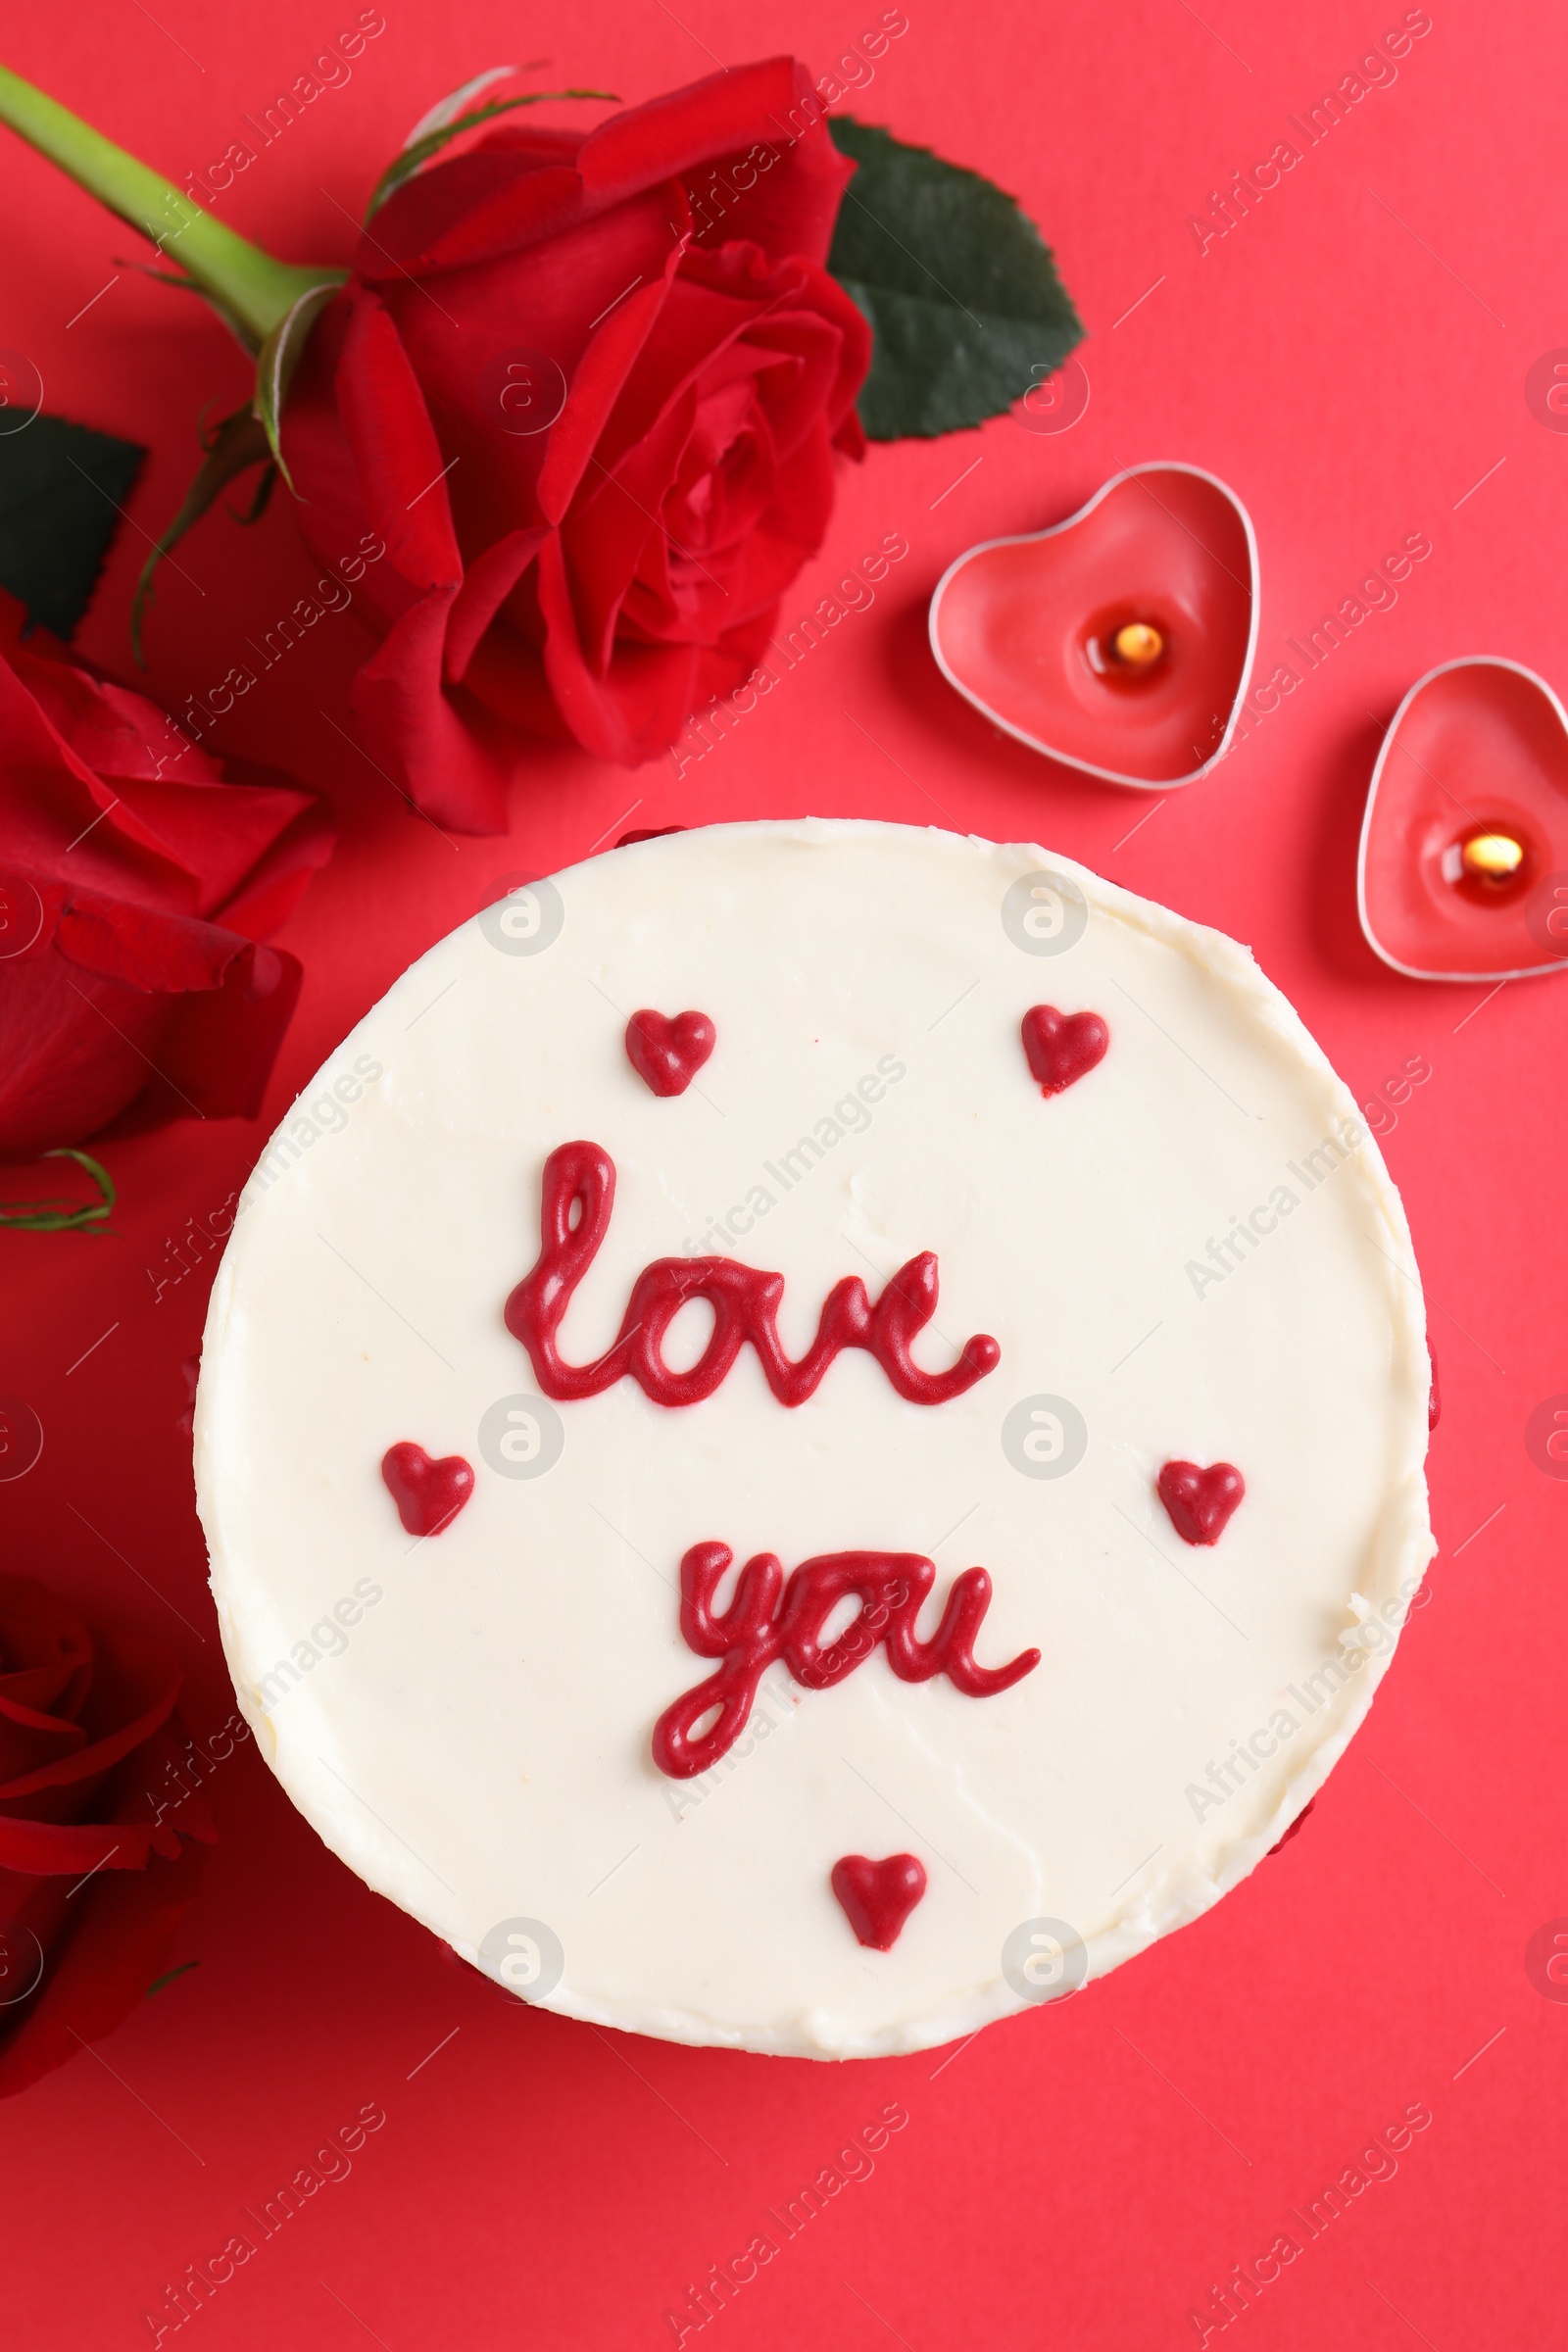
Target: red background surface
{"type": "Point", "coordinates": [1353, 360]}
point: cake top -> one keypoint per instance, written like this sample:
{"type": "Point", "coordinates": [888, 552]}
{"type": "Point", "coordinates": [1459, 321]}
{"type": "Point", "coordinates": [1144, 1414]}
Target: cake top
{"type": "Point", "coordinates": [813, 1433]}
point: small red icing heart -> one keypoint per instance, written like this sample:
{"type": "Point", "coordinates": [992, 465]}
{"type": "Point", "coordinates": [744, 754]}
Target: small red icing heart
{"type": "Point", "coordinates": [1476, 747]}
{"type": "Point", "coordinates": [1201, 1501]}
{"type": "Point", "coordinates": [668, 1054]}
{"type": "Point", "coordinates": [1062, 1046]}
{"type": "Point", "coordinates": [1028, 629]}
{"type": "Point", "coordinates": [428, 1493]}
{"type": "Point", "coordinates": [878, 1896]}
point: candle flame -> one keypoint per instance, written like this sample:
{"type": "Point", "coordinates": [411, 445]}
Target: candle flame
{"type": "Point", "coordinates": [1138, 643]}
{"type": "Point", "coordinates": [1495, 856]}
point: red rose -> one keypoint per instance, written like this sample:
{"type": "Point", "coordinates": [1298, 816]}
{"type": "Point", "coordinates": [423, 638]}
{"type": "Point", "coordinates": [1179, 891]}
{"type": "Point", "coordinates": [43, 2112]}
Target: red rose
{"type": "Point", "coordinates": [135, 886]}
{"type": "Point", "coordinates": [652, 297]}
{"type": "Point", "coordinates": [95, 1819]}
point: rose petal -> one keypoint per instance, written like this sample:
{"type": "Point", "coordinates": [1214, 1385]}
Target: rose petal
{"type": "Point", "coordinates": [601, 379]}
{"type": "Point", "coordinates": [794, 201]}
{"type": "Point", "coordinates": [45, 1648]}
{"type": "Point", "coordinates": [637, 709]}
{"type": "Point", "coordinates": [274, 885]}
{"type": "Point", "coordinates": [487, 583]}
{"type": "Point", "coordinates": [434, 745]}
{"type": "Point", "coordinates": [396, 452]}
{"type": "Point", "coordinates": [496, 200]}
{"type": "Point", "coordinates": [222, 833]}
{"type": "Point", "coordinates": [73, 1051]}
{"type": "Point", "coordinates": [219, 1047]}
{"type": "Point", "coordinates": [142, 948]}
{"type": "Point", "coordinates": [133, 1688]}
{"type": "Point", "coordinates": [119, 1933]}
{"type": "Point", "coordinates": [30, 1739]}
{"type": "Point", "coordinates": [604, 541]}
{"type": "Point", "coordinates": [113, 731]}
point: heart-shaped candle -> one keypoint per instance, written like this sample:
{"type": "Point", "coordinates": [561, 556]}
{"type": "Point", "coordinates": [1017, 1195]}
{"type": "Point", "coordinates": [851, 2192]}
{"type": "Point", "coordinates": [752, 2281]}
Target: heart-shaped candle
{"type": "Point", "coordinates": [1119, 641]}
{"type": "Point", "coordinates": [1465, 849]}
{"type": "Point", "coordinates": [666, 1054]}
{"type": "Point", "coordinates": [430, 1493]}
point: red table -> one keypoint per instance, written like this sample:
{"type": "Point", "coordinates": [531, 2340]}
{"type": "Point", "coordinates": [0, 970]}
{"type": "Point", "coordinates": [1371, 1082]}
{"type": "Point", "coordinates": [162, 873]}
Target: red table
{"type": "Point", "coordinates": [1352, 357]}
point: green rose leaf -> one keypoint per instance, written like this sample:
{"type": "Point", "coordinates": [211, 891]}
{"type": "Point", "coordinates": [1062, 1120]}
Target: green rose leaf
{"type": "Point", "coordinates": [62, 490]}
{"type": "Point", "coordinates": [962, 295]}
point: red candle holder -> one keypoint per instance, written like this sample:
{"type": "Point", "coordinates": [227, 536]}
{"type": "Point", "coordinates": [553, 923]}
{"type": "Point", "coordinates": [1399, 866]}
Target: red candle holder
{"type": "Point", "coordinates": [1118, 642]}
{"type": "Point", "coordinates": [1463, 870]}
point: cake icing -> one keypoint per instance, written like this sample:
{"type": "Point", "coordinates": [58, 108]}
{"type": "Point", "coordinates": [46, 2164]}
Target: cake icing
{"type": "Point", "coordinates": [1186, 1253]}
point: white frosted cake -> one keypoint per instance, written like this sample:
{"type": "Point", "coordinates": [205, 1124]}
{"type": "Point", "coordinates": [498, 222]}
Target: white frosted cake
{"type": "Point", "coordinates": [814, 1433]}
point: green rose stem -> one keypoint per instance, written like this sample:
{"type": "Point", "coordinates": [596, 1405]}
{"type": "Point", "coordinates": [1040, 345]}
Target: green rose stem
{"type": "Point", "coordinates": [270, 305]}
{"type": "Point", "coordinates": [246, 283]}
{"type": "Point", "coordinates": [58, 1215]}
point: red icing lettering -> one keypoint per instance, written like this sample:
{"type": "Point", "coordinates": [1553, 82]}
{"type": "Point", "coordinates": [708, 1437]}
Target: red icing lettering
{"type": "Point", "coordinates": [428, 1493]}
{"type": "Point", "coordinates": [1201, 1501]}
{"type": "Point", "coordinates": [767, 1619]}
{"type": "Point", "coordinates": [1062, 1046]}
{"type": "Point", "coordinates": [878, 1896]}
{"type": "Point", "coordinates": [745, 1301]}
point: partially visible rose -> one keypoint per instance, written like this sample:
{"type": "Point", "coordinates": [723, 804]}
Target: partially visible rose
{"type": "Point", "coordinates": [652, 296]}
{"type": "Point", "coordinates": [100, 1833]}
{"type": "Point", "coordinates": [137, 885]}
